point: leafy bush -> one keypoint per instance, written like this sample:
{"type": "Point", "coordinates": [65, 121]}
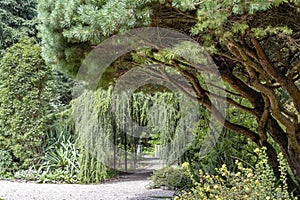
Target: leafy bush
{"type": "Point", "coordinates": [26, 101]}
{"type": "Point", "coordinates": [60, 160]}
{"type": "Point", "coordinates": [53, 176]}
{"type": "Point", "coordinates": [6, 163]}
{"type": "Point", "coordinates": [57, 176]}
{"type": "Point", "coordinates": [65, 160]}
{"type": "Point", "coordinates": [246, 183]}
{"type": "Point", "coordinates": [62, 154]}
{"type": "Point", "coordinates": [228, 148]}
{"type": "Point", "coordinates": [29, 174]}
{"type": "Point", "coordinates": [170, 177]}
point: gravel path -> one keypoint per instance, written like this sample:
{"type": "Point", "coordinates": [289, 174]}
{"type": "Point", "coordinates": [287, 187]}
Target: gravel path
{"type": "Point", "coordinates": [132, 187]}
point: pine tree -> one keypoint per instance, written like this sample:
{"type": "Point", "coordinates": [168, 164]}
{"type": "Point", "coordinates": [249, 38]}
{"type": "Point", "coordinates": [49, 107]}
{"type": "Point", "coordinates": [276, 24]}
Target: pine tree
{"type": "Point", "coordinates": [70, 28]}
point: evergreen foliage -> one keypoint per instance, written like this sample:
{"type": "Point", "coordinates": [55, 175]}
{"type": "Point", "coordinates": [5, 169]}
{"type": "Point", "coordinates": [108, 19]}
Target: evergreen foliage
{"type": "Point", "coordinates": [26, 100]}
{"type": "Point", "coordinates": [18, 18]}
{"type": "Point", "coordinates": [99, 114]}
{"type": "Point", "coordinates": [171, 177]}
{"type": "Point", "coordinates": [70, 28]}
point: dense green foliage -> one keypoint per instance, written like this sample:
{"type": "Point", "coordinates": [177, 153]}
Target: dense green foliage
{"type": "Point", "coordinates": [229, 148]}
{"type": "Point", "coordinates": [60, 152]}
{"type": "Point", "coordinates": [26, 100]}
{"type": "Point", "coordinates": [71, 27]}
{"type": "Point", "coordinates": [246, 183]}
{"type": "Point", "coordinates": [6, 163]}
{"type": "Point", "coordinates": [17, 20]}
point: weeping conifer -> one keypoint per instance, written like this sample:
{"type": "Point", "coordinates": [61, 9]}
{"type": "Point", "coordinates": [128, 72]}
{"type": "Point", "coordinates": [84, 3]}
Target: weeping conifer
{"type": "Point", "coordinates": [170, 115]}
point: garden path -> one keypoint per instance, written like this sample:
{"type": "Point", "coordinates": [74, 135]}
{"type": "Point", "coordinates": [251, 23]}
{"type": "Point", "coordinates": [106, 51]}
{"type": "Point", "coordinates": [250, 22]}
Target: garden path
{"type": "Point", "coordinates": [130, 186]}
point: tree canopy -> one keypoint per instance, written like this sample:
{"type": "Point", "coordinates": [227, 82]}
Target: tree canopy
{"type": "Point", "coordinates": [70, 28]}
{"type": "Point", "coordinates": [255, 45]}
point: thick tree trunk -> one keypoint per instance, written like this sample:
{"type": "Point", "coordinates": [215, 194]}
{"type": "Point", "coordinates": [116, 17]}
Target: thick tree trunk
{"type": "Point", "coordinates": [273, 128]}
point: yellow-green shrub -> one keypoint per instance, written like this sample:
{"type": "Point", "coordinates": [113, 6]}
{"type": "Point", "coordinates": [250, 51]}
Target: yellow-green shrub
{"type": "Point", "coordinates": [245, 183]}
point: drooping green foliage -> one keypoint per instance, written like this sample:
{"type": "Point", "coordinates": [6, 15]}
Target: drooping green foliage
{"type": "Point", "coordinates": [26, 100]}
{"type": "Point", "coordinates": [94, 128]}
{"type": "Point", "coordinates": [17, 19]}
{"type": "Point", "coordinates": [101, 114]}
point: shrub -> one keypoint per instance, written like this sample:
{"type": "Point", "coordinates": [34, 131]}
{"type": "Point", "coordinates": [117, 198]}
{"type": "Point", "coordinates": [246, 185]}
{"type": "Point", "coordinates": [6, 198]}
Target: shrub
{"type": "Point", "coordinates": [57, 176]}
{"type": "Point", "coordinates": [26, 100]}
{"type": "Point", "coordinates": [29, 175]}
{"type": "Point", "coordinates": [170, 177]}
{"type": "Point", "coordinates": [60, 159]}
{"type": "Point", "coordinates": [6, 163]}
{"type": "Point", "coordinates": [228, 148]}
{"type": "Point", "coordinates": [246, 183]}
{"type": "Point", "coordinates": [65, 160]}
